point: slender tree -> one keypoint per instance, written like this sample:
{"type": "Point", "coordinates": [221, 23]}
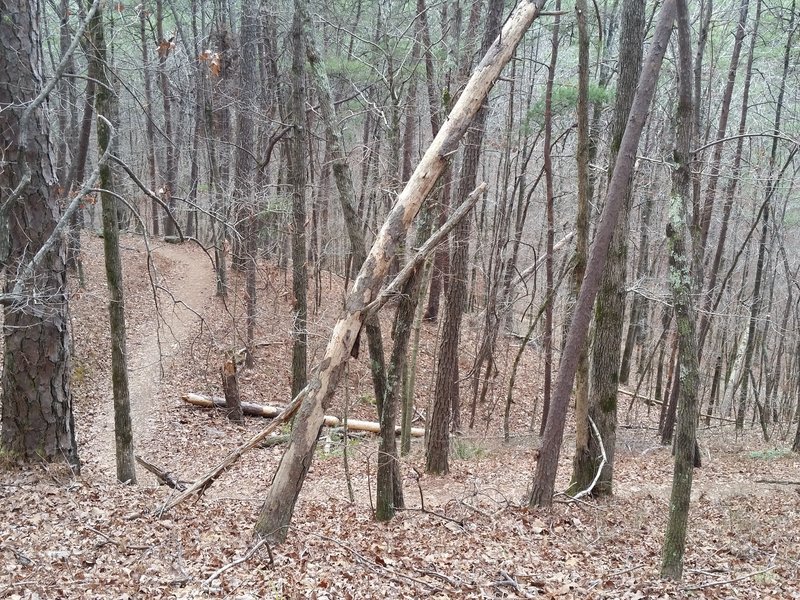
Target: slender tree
{"type": "Point", "coordinates": [297, 178]}
{"type": "Point", "coordinates": [446, 406]}
{"type": "Point", "coordinates": [610, 305]}
{"type": "Point", "coordinates": [684, 264]}
{"type": "Point", "coordinates": [547, 465]}
{"type": "Point", "coordinates": [107, 112]}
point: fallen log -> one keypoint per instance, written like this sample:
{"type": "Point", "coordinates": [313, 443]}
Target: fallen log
{"type": "Point", "coordinates": [270, 412]}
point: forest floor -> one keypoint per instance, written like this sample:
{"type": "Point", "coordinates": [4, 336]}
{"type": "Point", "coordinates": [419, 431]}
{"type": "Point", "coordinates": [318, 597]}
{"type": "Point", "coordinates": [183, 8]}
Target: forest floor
{"type": "Point", "coordinates": [87, 536]}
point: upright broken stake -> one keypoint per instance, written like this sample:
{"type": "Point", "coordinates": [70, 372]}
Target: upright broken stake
{"type": "Point", "coordinates": [230, 386]}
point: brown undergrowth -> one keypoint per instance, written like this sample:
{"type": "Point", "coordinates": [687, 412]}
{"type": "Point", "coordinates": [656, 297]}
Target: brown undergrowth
{"type": "Point", "coordinates": [467, 535]}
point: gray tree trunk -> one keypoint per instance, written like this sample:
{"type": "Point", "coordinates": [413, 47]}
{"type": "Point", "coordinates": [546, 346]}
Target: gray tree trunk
{"type": "Point", "coordinates": [37, 419]}
{"type": "Point", "coordinates": [684, 264]}
{"type": "Point", "coordinates": [547, 465]}
{"type": "Point", "coordinates": [106, 106]}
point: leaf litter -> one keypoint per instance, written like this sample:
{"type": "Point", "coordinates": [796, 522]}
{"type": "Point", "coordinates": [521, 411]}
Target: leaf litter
{"type": "Point", "coordinates": [89, 537]}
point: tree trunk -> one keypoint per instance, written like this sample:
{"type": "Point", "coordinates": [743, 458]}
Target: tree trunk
{"type": "Point", "coordinates": [547, 338]}
{"type": "Point", "coordinates": [230, 387]}
{"type": "Point", "coordinates": [297, 179]}
{"type": "Point", "coordinates": [544, 479]}
{"type": "Point", "coordinates": [148, 116]}
{"type": "Point", "coordinates": [273, 522]}
{"type": "Point", "coordinates": [610, 305]}
{"type": "Point", "coordinates": [170, 152]}
{"type": "Point", "coordinates": [582, 456]}
{"type": "Point", "coordinates": [37, 419]}
{"type": "Point", "coordinates": [106, 106]}
{"type": "Point", "coordinates": [684, 265]}
{"type": "Point", "coordinates": [445, 415]}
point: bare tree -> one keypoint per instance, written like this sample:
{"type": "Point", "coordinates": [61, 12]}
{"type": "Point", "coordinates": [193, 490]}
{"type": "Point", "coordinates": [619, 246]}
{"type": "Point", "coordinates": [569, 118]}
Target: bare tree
{"type": "Point", "coordinates": [273, 522]}
{"type": "Point", "coordinates": [544, 479]}
{"type": "Point", "coordinates": [107, 111]}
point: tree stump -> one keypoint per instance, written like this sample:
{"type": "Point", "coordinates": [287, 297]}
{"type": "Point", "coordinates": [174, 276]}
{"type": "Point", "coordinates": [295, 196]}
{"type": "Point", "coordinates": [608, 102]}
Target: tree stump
{"type": "Point", "coordinates": [230, 387]}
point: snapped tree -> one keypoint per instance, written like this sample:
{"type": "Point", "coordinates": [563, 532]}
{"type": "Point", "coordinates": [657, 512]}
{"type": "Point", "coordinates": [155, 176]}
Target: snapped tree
{"type": "Point", "coordinates": [276, 514]}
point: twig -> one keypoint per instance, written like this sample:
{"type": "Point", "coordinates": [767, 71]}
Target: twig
{"type": "Point", "coordinates": [778, 481]}
{"type": "Point", "coordinates": [603, 462]}
{"type": "Point", "coordinates": [509, 581]}
{"type": "Point", "coordinates": [241, 560]}
{"type": "Point", "coordinates": [724, 581]}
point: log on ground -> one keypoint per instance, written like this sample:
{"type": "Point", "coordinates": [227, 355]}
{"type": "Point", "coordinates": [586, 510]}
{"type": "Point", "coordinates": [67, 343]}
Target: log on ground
{"type": "Point", "coordinates": [269, 412]}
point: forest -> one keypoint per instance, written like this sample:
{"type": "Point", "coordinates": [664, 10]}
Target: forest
{"type": "Point", "coordinates": [400, 298]}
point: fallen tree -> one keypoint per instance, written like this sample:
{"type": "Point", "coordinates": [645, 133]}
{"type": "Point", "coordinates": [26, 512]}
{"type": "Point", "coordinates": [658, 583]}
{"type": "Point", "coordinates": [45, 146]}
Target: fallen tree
{"type": "Point", "coordinates": [270, 412]}
{"type": "Point", "coordinates": [276, 513]}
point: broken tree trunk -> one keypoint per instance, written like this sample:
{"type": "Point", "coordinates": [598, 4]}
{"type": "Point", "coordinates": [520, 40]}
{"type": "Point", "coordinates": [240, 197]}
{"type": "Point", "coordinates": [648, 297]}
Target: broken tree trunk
{"type": "Point", "coordinates": [270, 412]}
{"type": "Point", "coordinates": [230, 387]}
{"type": "Point", "coordinates": [273, 522]}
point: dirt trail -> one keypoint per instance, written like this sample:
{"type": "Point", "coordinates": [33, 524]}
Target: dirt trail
{"type": "Point", "coordinates": [189, 284]}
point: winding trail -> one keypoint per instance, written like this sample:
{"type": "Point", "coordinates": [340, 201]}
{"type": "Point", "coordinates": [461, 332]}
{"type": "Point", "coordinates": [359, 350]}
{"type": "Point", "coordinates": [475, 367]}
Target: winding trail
{"type": "Point", "coordinates": [188, 286]}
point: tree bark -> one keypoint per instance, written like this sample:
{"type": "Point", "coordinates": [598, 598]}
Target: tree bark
{"type": "Point", "coordinates": [544, 479]}
{"type": "Point", "coordinates": [171, 160]}
{"type": "Point", "coordinates": [582, 455]}
{"type": "Point", "coordinates": [610, 305]}
{"type": "Point", "coordinates": [273, 522]}
{"type": "Point", "coordinates": [230, 387]}
{"type": "Point", "coordinates": [684, 264]}
{"type": "Point", "coordinates": [106, 107]}
{"type": "Point", "coordinates": [547, 338]}
{"type": "Point", "coordinates": [445, 415]}
{"type": "Point", "coordinates": [297, 179]}
{"type": "Point", "coordinates": [37, 419]}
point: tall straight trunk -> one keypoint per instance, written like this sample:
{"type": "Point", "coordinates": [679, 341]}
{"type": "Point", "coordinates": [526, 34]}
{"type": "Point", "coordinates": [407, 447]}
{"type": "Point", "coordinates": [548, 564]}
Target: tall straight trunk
{"type": "Point", "coordinates": [547, 338]}
{"type": "Point", "coordinates": [37, 420]}
{"type": "Point", "coordinates": [446, 406]}
{"type": "Point", "coordinates": [148, 117]}
{"type": "Point", "coordinates": [389, 486]}
{"type": "Point", "coordinates": [244, 164]}
{"type": "Point", "coordinates": [582, 239]}
{"type": "Point", "coordinates": [722, 127]}
{"type": "Point", "coordinates": [755, 306]}
{"type": "Point", "coordinates": [684, 264]}
{"type": "Point", "coordinates": [106, 106]}
{"type": "Point", "coordinates": [610, 305]}
{"type": "Point", "coordinates": [170, 153]}
{"type": "Point", "coordinates": [297, 179]}
{"type": "Point", "coordinates": [276, 514]}
{"type": "Point", "coordinates": [547, 465]}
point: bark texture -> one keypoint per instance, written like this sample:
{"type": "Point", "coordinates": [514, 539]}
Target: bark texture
{"type": "Point", "coordinates": [683, 263]}
{"type": "Point", "coordinates": [107, 110]}
{"type": "Point", "coordinates": [37, 421]}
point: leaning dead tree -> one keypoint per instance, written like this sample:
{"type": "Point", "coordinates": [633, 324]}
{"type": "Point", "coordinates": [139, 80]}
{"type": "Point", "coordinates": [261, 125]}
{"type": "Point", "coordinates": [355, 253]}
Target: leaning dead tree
{"type": "Point", "coordinates": [288, 480]}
